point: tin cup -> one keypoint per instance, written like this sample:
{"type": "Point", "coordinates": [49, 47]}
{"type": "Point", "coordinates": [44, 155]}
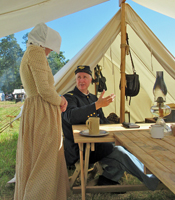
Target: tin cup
{"type": "Point", "coordinates": [157, 131]}
{"type": "Point", "coordinates": [93, 125]}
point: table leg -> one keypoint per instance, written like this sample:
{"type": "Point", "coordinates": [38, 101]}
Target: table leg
{"type": "Point", "coordinates": [82, 172]}
{"type": "Point", "coordinates": [86, 165]}
{"type": "Point", "coordinates": [92, 147]}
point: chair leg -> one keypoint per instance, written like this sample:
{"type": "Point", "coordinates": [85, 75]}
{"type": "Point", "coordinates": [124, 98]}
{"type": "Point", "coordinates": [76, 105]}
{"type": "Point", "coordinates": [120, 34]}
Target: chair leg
{"type": "Point", "coordinates": [75, 175]}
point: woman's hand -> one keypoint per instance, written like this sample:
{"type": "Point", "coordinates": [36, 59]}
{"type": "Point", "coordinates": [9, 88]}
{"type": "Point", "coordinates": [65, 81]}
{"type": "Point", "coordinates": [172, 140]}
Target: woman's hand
{"type": "Point", "coordinates": [63, 105]}
{"type": "Point", "coordinates": [103, 102]}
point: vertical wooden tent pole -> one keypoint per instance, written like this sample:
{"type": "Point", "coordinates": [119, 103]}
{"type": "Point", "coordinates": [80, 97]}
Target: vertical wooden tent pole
{"type": "Point", "coordinates": [122, 66]}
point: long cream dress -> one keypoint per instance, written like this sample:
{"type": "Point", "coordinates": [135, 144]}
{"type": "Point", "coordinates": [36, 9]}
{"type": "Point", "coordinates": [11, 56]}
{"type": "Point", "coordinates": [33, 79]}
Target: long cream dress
{"type": "Point", "coordinates": [41, 170]}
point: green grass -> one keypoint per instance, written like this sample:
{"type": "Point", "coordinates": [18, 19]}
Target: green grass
{"type": "Point", "coordinates": [8, 145]}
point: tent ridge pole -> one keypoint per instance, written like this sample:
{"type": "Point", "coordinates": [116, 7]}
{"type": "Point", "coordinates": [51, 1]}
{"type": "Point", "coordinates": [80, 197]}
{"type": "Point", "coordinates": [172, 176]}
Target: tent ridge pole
{"type": "Point", "coordinates": [122, 66]}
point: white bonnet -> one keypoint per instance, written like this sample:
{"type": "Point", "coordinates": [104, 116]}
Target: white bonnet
{"type": "Point", "coordinates": [42, 35]}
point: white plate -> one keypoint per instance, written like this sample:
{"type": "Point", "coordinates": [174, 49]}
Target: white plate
{"type": "Point", "coordinates": [86, 133]}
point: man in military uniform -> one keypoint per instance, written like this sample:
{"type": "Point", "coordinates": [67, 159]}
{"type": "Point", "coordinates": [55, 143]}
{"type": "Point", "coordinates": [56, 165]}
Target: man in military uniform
{"type": "Point", "coordinates": [114, 159]}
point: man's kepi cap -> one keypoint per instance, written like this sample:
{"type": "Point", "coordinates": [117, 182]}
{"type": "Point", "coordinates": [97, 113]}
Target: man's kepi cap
{"type": "Point", "coordinates": [83, 68]}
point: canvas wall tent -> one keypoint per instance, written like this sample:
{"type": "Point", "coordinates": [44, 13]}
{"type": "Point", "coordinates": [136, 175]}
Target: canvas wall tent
{"type": "Point", "coordinates": [104, 48]}
{"type": "Point", "coordinates": [149, 55]}
{"type": "Point", "coordinates": [18, 91]}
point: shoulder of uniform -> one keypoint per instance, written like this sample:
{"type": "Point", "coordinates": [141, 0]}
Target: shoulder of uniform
{"type": "Point", "coordinates": [69, 93]}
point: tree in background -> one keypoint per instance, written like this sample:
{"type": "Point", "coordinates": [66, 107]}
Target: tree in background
{"type": "Point", "coordinates": [10, 58]}
{"type": "Point", "coordinates": [56, 61]}
{"type": "Point", "coordinates": [25, 38]}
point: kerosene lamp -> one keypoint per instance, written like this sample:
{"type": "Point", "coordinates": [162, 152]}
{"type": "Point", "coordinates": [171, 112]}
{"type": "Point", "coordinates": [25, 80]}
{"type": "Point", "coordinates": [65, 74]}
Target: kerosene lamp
{"type": "Point", "coordinates": [160, 110]}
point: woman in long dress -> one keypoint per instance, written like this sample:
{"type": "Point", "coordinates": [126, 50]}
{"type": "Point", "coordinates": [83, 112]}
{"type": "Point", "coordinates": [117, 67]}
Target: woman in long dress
{"type": "Point", "coordinates": [41, 172]}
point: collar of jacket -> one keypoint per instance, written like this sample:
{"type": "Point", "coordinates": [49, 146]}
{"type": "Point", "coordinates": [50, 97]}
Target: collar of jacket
{"type": "Point", "coordinates": [79, 93]}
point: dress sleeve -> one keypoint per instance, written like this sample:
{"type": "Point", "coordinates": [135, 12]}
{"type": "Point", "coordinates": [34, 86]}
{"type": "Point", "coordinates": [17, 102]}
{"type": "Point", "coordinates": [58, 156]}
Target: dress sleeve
{"type": "Point", "coordinates": [40, 71]}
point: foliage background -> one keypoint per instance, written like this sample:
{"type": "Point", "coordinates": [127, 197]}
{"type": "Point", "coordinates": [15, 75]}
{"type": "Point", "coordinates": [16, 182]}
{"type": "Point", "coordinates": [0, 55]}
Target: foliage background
{"type": "Point", "coordinates": [10, 58]}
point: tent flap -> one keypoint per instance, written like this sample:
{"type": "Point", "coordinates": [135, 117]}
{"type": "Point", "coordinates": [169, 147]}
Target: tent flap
{"type": "Point", "coordinates": [165, 7]}
{"type": "Point", "coordinates": [19, 15]}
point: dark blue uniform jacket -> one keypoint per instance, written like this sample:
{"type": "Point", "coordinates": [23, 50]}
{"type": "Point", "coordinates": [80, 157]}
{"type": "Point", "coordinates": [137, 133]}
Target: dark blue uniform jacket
{"type": "Point", "coordinates": [80, 108]}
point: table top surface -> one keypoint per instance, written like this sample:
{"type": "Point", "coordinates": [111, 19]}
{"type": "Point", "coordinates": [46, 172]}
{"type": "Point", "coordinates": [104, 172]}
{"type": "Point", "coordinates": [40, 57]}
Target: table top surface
{"type": "Point", "coordinates": [158, 155]}
{"type": "Point", "coordinates": [111, 128]}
